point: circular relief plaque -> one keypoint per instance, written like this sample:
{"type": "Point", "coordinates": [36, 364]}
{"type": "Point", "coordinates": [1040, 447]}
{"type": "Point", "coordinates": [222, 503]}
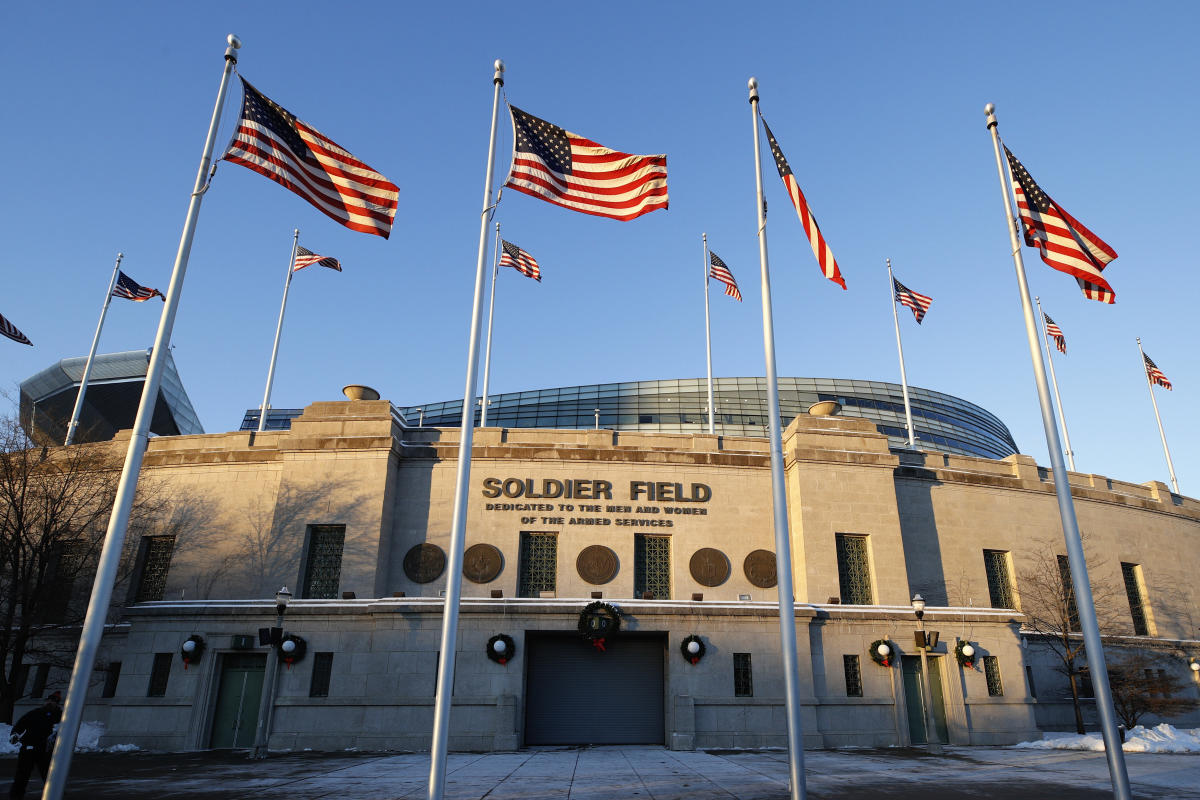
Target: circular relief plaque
{"type": "Point", "coordinates": [424, 563]}
{"type": "Point", "coordinates": [482, 563]}
{"type": "Point", "coordinates": [596, 564]}
{"type": "Point", "coordinates": [760, 569]}
{"type": "Point", "coordinates": [709, 566]}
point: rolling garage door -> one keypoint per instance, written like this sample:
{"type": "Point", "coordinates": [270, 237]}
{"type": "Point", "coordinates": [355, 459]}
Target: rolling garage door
{"type": "Point", "coordinates": [576, 694]}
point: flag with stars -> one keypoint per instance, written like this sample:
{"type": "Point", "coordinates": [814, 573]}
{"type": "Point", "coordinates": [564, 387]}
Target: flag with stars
{"type": "Point", "coordinates": [10, 330]}
{"type": "Point", "coordinates": [718, 271]}
{"type": "Point", "coordinates": [306, 258]}
{"type": "Point", "coordinates": [825, 259]}
{"type": "Point", "coordinates": [1155, 374]}
{"type": "Point", "coordinates": [570, 171]}
{"type": "Point", "coordinates": [1055, 333]}
{"type": "Point", "coordinates": [1063, 241]}
{"type": "Point", "coordinates": [518, 259]}
{"type": "Point", "coordinates": [130, 289]}
{"type": "Point", "coordinates": [271, 141]}
{"type": "Point", "coordinates": [918, 302]}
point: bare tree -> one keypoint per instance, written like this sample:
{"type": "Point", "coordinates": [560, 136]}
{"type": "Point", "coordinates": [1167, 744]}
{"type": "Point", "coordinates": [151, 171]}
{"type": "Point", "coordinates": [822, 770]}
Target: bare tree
{"type": "Point", "coordinates": [1048, 603]}
{"type": "Point", "coordinates": [1142, 684]}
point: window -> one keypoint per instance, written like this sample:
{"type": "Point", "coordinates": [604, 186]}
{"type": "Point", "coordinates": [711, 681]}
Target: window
{"type": "Point", "coordinates": [155, 563]}
{"type": "Point", "coordinates": [1132, 573]}
{"type": "Point", "coordinates": [1084, 682]}
{"type": "Point", "coordinates": [322, 670]}
{"type": "Point", "coordinates": [22, 679]}
{"type": "Point", "coordinates": [998, 578]}
{"type": "Point", "coordinates": [652, 566]}
{"type": "Point", "coordinates": [323, 567]}
{"type": "Point", "coordinates": [991, 671]}
{"type": "Point", "coordinates": [854, 572]}
{"type": "Point", "coordinates": [743, 676]}
{"type": "Point", "coordinates": [159, 674]}
{"type": "Point", "coordinates": [1029, 680]}
{"type": "Point", "coordinates": [39, 680]}
{"type": "Point", "coordinates": [1064, 572]}
{"type": "Point", "coordinates": [68, 563]}
{"type": "Point", "coordinates": [112, 674]}
{"type": "Point", "coordinates": [537, 564]}
{"type": "Point", "coordinates": [853, 676]}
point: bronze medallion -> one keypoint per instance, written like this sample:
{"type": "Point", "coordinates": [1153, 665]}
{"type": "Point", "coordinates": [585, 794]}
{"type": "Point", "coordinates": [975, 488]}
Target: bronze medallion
{"type": "Point", "coordinates": [596, 564]}
{"type": "Point", "coordinates": [709, 566]}
{"type": "Point", "coordinates": [482, 563]}
{"type": "Point", "coordinates": [424, 563]}
{"type": "Point", "coordinates": [760, 569]}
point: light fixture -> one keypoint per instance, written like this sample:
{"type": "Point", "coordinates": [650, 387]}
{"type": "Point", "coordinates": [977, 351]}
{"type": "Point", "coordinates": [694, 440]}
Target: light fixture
{"type": "Point", "coordinates": [501, 648]}
{"type": "Point", "coordinates": [1195, 666]}
{"type": "Point", "coordinates": [968, 651]}
{"type": "Point", "coordinates": [292, 649]}
{"type": "Point", "coordinates": [192, 649]}
{"type": "Point", "coordinates": [883, 650]}
{"type": "Point", "coordinates": [282, 598]}
{"type": "Point", "coordinates": [918, 606]}
{"type": "Point", "coordinates": [692, 648]}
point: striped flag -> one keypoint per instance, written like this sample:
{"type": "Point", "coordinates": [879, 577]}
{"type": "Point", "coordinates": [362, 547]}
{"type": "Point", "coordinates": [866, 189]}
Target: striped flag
{"type": "Point", "coordinates": [1063, 241]}
{"type": "Point", "coordinates": [1155, 374]}
{"type": "Point", "coordinates": [918, 302]}
{"type": "Point", "coordinates": [570, 171]}
{"type": "Point", "coordinates": [306, 258]}
{"type": "Point", "coordinates": [130, 289]}
{"type": "Point", "coordinates": [821, 250]}
{"type": "Point", "coordinates": [10, 330]}
{"type": "Point", "coordinates": [1055, 333]}
{"type": "Point", "coordinates": [271, 141]}
{"type": "Point", "coordinates": [720, 272]}
{"type": "Point", "coordinates": [518, 259]}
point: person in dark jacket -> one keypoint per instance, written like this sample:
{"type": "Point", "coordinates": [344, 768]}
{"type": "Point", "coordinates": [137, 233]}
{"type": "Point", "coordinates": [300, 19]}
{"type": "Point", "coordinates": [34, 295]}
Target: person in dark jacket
{"type": "Point", "coordinates": [35, 733]}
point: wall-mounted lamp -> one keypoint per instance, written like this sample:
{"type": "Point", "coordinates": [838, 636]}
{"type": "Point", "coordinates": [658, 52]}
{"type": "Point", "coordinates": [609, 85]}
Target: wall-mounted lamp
{"type": "Point", "coordinates": [693, 649]}
{"type": "Point", "coordinates": [191, 650]}
{"type": "Point", "coordinates": [500, 648]}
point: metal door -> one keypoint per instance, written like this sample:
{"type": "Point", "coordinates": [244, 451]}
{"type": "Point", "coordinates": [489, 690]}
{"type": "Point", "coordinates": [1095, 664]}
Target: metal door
{"type": "Point", "coordinates": [238, 693]}
{"type": "Point", "coordinates": [578, 694]}
{"type": "Point", "coordinates": [914, 699]}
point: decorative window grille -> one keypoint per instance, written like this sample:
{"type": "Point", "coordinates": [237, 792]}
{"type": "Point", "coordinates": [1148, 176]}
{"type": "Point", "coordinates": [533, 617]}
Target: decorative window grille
{"type": "Point", "coordinates": [853, 676]}
{"type": "Point", "coordinates": [538, 564]}
{"type": "Point", "coordinates": [999, 581]}
{"type": "Point", "coordinates": [156, 562]}
{"type": "Point", "coordinates": [321, 673]}
{"type": "Point", "coordinates": [1133, 591]}
{"type": "Point", "coordinates": [743, 676]}
{"type": "Point", "coordinates": [159, 674]}
{"type": "Point", "coordinates": [1064, 572]}
{"type": "Point", "coordinates": [323, 570]}
{"type": "Point", "coordinates": [991, 671]}
{"type": "Point", "coordinates": [854, 571]}
{"type": "Point", "coordinates": [112, 674]}
{"type": "Point", "coordinates": [652, 566]}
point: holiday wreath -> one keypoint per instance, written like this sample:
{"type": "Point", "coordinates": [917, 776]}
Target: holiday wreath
{"type": "Point", "coordinates": [883, 659]}
{"type": "Point", "coordinates": [965, 654]}
{"type": "Point", "coordinates": [500, 648]}
{"type": "Point", "coordinates": [692, 654]}
{"type": "Point", "coordinates": [597, 622]}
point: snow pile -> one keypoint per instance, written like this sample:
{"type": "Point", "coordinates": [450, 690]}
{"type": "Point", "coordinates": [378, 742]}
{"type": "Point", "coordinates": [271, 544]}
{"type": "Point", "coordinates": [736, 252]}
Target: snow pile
{"type": "Point", "coordinates": [88, 740]}
{"type": "Point", "coordinates": [1162, 738]}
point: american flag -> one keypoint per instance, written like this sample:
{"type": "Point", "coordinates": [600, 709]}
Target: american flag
{"type": "Point", "coordinates": [1055, 333]}
{"type": "Point", "coordinates": [10, 330]}
{"type": "Point", "coordinates": [721, 273]}
{"type": "Point", "coordinates": [131, 290]}
{"type": "Point", "coordinates": [918, 302]}
{"type": "Point", "coordinates": [273, 143]}
{"type": "Point", "coordinates": [821, 250]}
{"type": "Point", "coordinates": [306, 258]}
{"type": "Point", "coordinates": [1155, 374]}
{"type": "Point", "coordinates": [1065, 244]}
{"type": "Point", "coordinates": [576, 173]}
{"type": "Point", "coordinates": [518, 259]}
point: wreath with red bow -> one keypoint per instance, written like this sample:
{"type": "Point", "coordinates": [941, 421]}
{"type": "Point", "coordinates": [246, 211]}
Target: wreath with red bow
{"type": "Point", "coordinates": [598, 622]}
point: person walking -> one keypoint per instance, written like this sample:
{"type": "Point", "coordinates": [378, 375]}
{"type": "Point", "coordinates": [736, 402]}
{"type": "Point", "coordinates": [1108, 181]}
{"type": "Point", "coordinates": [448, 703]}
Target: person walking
{"type": "Point", "coordinates": [35, 733]}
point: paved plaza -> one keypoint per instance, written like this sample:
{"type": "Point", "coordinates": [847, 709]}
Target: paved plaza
{"type": "Point", "coordinates": [637, 773]}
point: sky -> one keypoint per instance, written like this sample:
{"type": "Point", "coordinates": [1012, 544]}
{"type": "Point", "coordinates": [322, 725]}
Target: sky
{"type": "Point", "coordinates": [878, 107]}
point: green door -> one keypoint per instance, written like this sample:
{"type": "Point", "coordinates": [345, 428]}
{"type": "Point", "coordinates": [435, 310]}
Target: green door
{"type": "Point", "coordinates": [914, 700]}
{"type": "Point", "coordinates": [236, 714]}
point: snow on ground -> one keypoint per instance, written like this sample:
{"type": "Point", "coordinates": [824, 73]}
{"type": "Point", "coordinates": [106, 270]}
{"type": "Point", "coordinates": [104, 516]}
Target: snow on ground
{"type": "Point", "coordinates": [1159, 739]}
{"type": "Point", "coordinates": [88, 740]}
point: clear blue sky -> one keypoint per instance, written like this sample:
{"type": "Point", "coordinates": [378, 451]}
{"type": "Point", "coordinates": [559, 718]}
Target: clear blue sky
{"type": "Point", "coordinates": [878, 107]}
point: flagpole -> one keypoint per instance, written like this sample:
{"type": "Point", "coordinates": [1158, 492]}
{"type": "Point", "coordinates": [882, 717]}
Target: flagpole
{"type": "Point", "coordinates": [912, 445]}
{"type": "Point", "coordinates": [87, 368]}
{"type": "Point", "coordinates": [783, 549]}
{"type": "Point", "coordinates": [1066, 507]}
{"type": "Point", "coordinates": [114, 539]}
{"type": "Point", "coordinates": [487, 353]}
{"type": "Point", "coordinates": [1158, 419]}
{"type": "Point", "coordinates": [1062, 414]}
{"type": "Point", "coordinates": [458, 530]}
{"type": "Point", "coordinates": [287, 285]}
{"type": "Point", "coordinates": [708, 338]}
